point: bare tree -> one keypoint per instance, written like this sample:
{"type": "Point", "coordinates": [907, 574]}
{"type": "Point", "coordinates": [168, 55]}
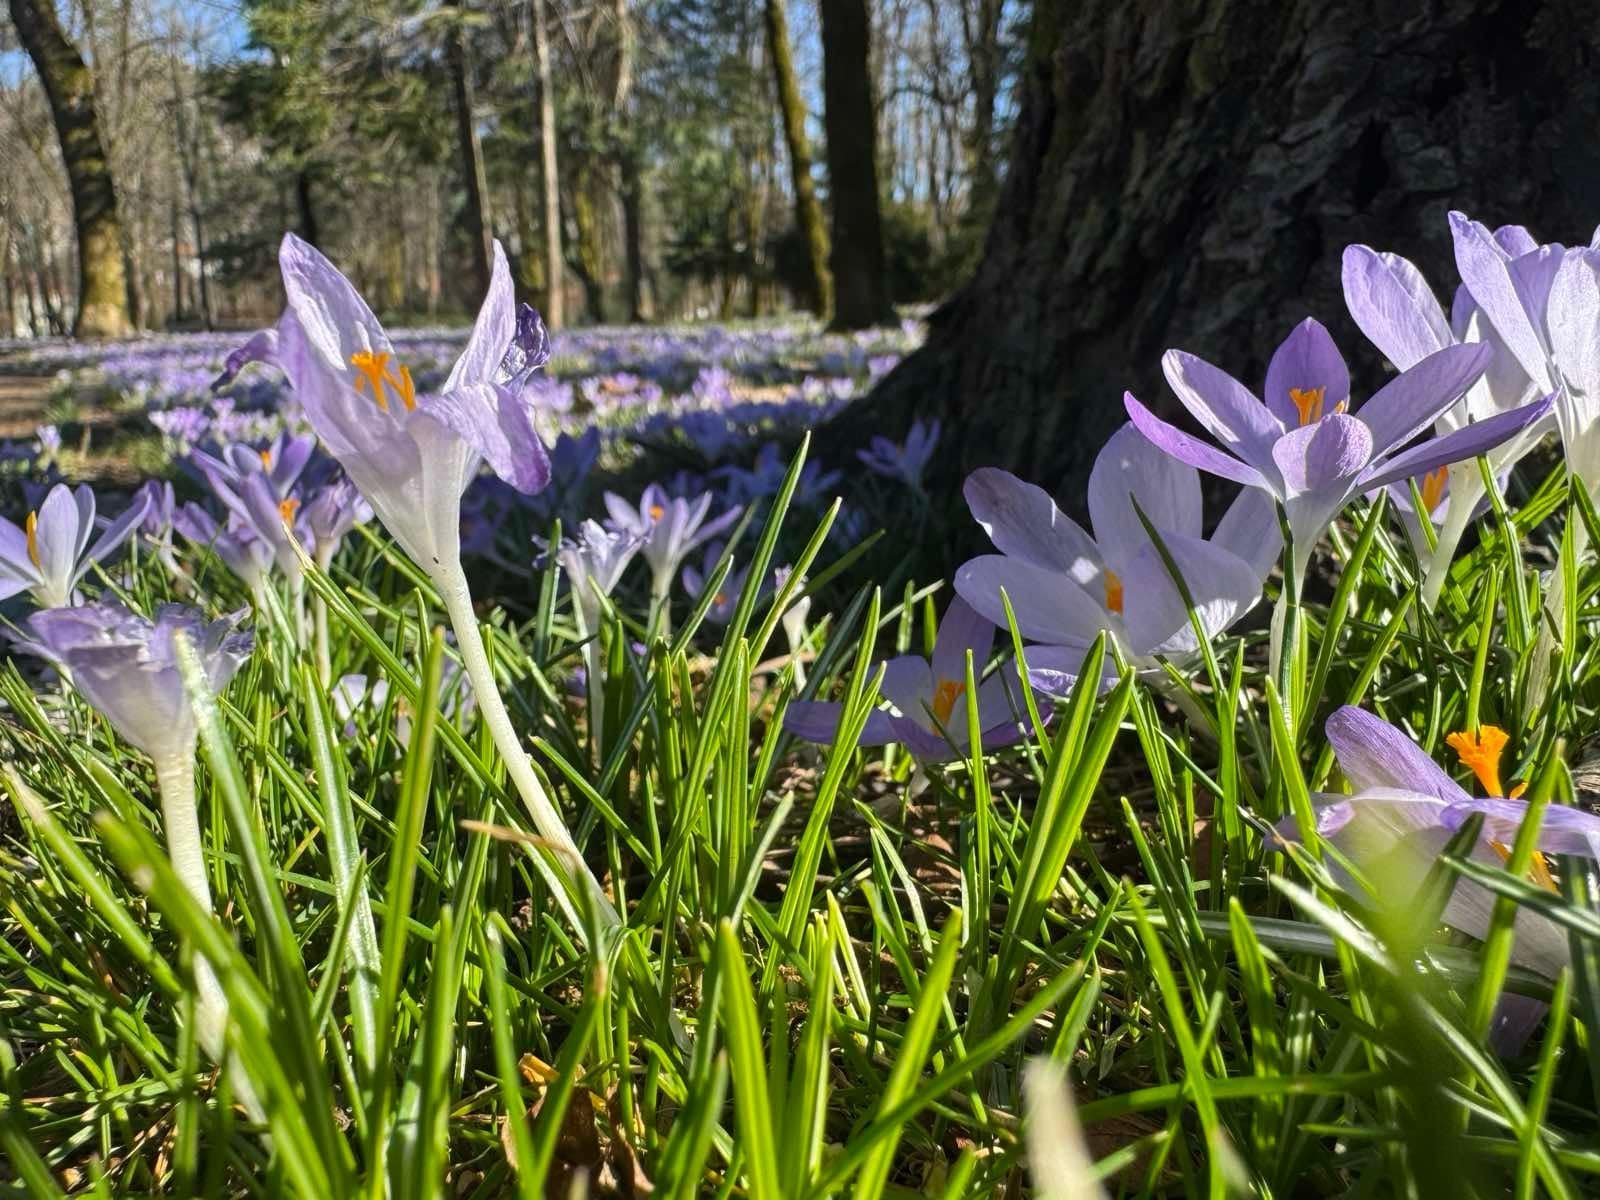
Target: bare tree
{"type": "Point", "coordinates": [472, 169]}
{"type": "Point", "coordinates": [553, 266]}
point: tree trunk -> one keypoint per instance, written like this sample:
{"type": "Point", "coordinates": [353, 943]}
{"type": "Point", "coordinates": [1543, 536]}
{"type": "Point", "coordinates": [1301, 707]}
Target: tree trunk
{"type": "Point", "coordinates": [860, 286]}
{"type": "Point", "coordinates": [1189, 175]}
{"type": "Point", "coordinates": [473, 172]}
{"type": "Point", "coordinates": [68, 85]}
{"type": "Point", "coordinates": [980, 29]}
{"type": "Point", "coordinates": [307, 211]}
{"type": "Point", "coordinates": [792, 107]}
{"type": "Point", "coordinates": [633, 232]}
{"type": "Point", "coordinates": [554, 316]}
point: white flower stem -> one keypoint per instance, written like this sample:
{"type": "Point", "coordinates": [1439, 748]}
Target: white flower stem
{"type": "Point", "coordinates": [661, 603]}
{"type": "Point", "coordinates": [181, 824]}
{"type": "Point", "coordinates": [1456, 519]}
{"type": "Point", "coordinates": [451, 581]}
{"type": "Point", "coordinates": [319, 619]}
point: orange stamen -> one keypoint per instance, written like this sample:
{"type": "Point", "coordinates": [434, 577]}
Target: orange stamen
{"type": "Point", "coordinates": [1309, 402]}
{"type": "Point", "coordinates": [945, 697]}
{"type": "Point", "coordinates": [33, 540]}
{"type": "Point", "coordinates": [1113, 591]}
{"type": "Point", "coordinates": [373, 373]}
{"type": "Point", "coordinates": [1433, 487]}
{"type": "Point", "coordinates": [266, 456]}
{"type": "Point", "coordinates": [1538, 866]}
{"type": "Point", "coordinates": [657, 512]}
{"type": "Point", "coordinates": [1480, 753]}
{"type": "Point", "coordinates": [287, 509]}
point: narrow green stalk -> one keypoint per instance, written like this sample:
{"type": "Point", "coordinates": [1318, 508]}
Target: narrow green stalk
{"type": "Point", "coordinates": [456, 596]}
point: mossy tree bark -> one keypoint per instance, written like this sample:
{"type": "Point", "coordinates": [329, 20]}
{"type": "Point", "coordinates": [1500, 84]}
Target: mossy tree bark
{"type": "Point", "coordinates": [1189, 174]}
{"type": "Point", "coordinates": [69, 87]}
{"type": "Point", "coordinates": [792, 111]}
{"type": "Point", "coordinates": [860, 284]}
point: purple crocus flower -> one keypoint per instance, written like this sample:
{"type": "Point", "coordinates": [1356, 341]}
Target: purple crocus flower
{"type": "Point", "coordinates": [333, 510]}
{"type": "Point", "coordinates": [1303, 447]}
{"type": "Point", "coordinates": [1544, 303]}
{"type": "Point", "coordinates": [49, 437]}
{"type": "Point", "coordinates": [927, 697]}
{"type": "Point", "coordinates": [1406, 808]}
{"type": "Point", "coordinates": [668, 528]}
{"type": "Point", "coordinates": [411, 453]}
{"type": "Point", "coordinates": [1394, 306]}
{"type": "Point", "coordinates": [904, 462]}
{"type": "Point", "coordinates": [126, 665]}
{"type": "Point", "coordinates": [1066, 587]}
{"type": "Point", "coordinates": [50, 554]}
{"type": "Point", "coordinates": [593, 563]}
{"type": "Point", "coordinates": [355, 693]}
{"type": "Point", "coordinates": [728, 595]}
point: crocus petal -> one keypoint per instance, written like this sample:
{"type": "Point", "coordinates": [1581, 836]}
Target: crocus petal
{"type": "Point", "coordinates": [1250, 529]}
{"type": "Point", "coordinates": [963, 628]}
{"type": "Point", "coordinates": [1486, 270]}
{"type": "Point", "coordinates": [1192, 450]}
{"type": "Point", "coordinates": [1131, 469]}
{"type": "Point", "coordinates": [1048, 605]}
{"type": "Point", "coordinates": [1574, 326]}
{"type": "Point", "coordinates": [1025, 523]}
{"type": "Point", "coordinates": [491, 332]}
{"type": "Point", "coordinates": [1374, 754]}
{"type": "Point", "coordinates": [1227, 409]}
{"type": "Point", "coordinates": [1306, 360]}
{"type": "Point", "coordinates": [1515, 240]}
{"type": "Point", "coordinates": [1412, 401]}
{"type": "Point", "coordinates": [931, 745]}
{"type": "Point", "coordinates": [1222, 585]}
{"type": "Point", "coordinates": [1393, 305]}
{"type": "Point", "coordinates": [1463, 444]}
{"type": "Point", "coordinates": [498, 424]}
{"type": "Point", "coordinates": [65, 522]}
{"type": "Point", "coordinates": [1055, 670]}
{"type": "Point", "coordinates": [908, 685]}
{"type": "Point", "coordinates": [1324, 455]}
{"type": "Point", "coordinates": [818, 721]}
{"type": "Point", "coordinates": [1563, 831]}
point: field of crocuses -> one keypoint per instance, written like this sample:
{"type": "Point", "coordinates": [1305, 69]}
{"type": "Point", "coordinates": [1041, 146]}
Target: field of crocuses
{"type": "Point", "coordinates": [479, 765]}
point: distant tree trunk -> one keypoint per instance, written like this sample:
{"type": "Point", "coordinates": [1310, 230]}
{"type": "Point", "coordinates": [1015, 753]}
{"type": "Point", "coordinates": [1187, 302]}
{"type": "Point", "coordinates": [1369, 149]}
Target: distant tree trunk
{"type": "Point", "coordinates": [860, 285]}
{"type": "Point", "coordinates": [633, 232]}
{"type": "Point", "coordinates": [980, 31]}
{"type": "Point", "coordinates": [589, 262]}
{"type": "Point", "coordinates": [1189, 175]}
{"type": "Point", "coordinates": [473, 172]}
{"type": "Point", "coordinates": [307, 211]}
{"type": "Point", "coordinates": [554, 316]}
{"type": "Point", "coordinates": [792, 108]}
{"type": "Point", "coordinates": [68, 85]}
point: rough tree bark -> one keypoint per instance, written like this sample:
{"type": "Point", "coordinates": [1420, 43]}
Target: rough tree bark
{"type": "Point", "coordinates": [1189, 174]}
{"type": "Point", "coordinates": [467, 145]}
{"type": "Point", "coordinates": [69, 87]}
{"type": "Point", "coordinates": [792, 109]}
{"type": "Point", "coordinates": [554, 306]}
{"type": "Point", "coordinates": [860, 284]}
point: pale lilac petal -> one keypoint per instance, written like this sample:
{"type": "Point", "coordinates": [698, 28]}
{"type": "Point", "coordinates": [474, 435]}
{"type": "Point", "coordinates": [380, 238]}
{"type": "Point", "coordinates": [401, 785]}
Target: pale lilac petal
{"type": "Point", "coordinates": [1564, 830]}
{"type": "Point", "coordinates": [1251, 530]}
{"type": "Point", "coordinates": [1459, 446]}
{"type": "Point", "coordinates": [1229, 411]}
{"type": "Point", "coordinates": [813, 720]}
{"type": "Point", "coordinates": [1393, 305]}
{"type": "Point", "coordinates": [499, 425]}
{"type": "Point", "coordinates": [491, 332]}
{"type": "Point", "coordinates": [1055, 670]}
{"type": "Point", "coordinates": [1049, 607]}
{"type": "Point", "coordinates": [1222, 585]}
{"type": "Point", "coordinates": [65, 522]}
{"type": "Point", "coordinates": [1319, 457]}
{"type": "Point", "coordinates": [1515, 240]}
{"type": "Point", "coordinates": [1192, 450]}
{"type": "Point", "coordinates": [1308, 361]}
{"type": "Point", "coordinates": [1374, 754]}
{"type": "Point", "coordinates": [908, 685]}
{"type": "Point", "coordinates": [963, 628]}
{"type": "Point", "coordinates": [1023, 521]}
{"type": "Point", "coordinates": [1131, 468]}
{"type": "Point", "coordinates": [1412, 401]}
{"type": "Point", "coordinates": [930, 745]}
{"type": "Point", "coordinates": [1486, 270]}
{"type": "Point", "coordinates": [15, 565]}
{"type": "Point", "coordinates": [1574, 326]}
